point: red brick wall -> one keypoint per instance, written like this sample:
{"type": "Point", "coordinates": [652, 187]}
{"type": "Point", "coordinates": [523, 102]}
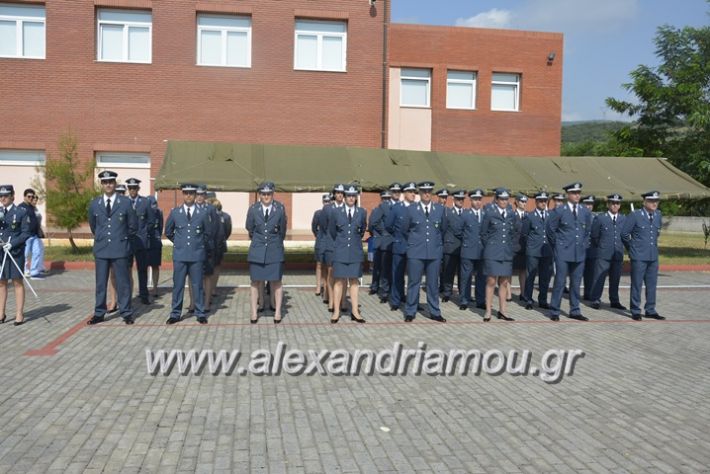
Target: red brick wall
{"type": "Point", "coordinates": [533, 131]}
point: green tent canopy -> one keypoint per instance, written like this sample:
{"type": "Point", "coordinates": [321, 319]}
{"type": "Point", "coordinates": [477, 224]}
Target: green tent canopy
{"type": "Point", "coordinates": [241, 167]}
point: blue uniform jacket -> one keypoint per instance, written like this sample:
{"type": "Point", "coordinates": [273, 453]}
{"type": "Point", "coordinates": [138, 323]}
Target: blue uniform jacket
{"type": "Point", "coordinates": [189, 238]}
{"type": "Point", "coordinates": [347, 235]}
{"type": "Point", "coordinates": [144, 212]}
{"type": "Point", "coordinates": [640, 236]}
{"type": "Point", "coordinates": [317, 230]}
{"type": "Point", "coordinates": [376, 225]}
{"type": "Point", "coordinates": [394, 225]}
{"type": "Point", "coordinates": [454, 231]}
{"type": "Point", "coordinates": [499, 236]}
{"type": "Point", "coordinates": [606, 237]}
{"type": "Point", "coordinates": [568, 236]}
{"type": "Point", "coordinates": [34, 223]}
{"type": "Point", "coordinates": [16, 228]}
{"type": "Point", "coordinates": [156, 228]}
{"type": "Point", "coordinates": [591, 246]}
{"type": "Point", "coordinates": [267, 237]}
{"type": "Point", "coordinates": [112, 233]}
{"type": "Point", "coordinates": [425, 235]}
{"type": "Point", "coordinates": [534, 235]}
{"type": "Point", "coordinates": [471, 245]}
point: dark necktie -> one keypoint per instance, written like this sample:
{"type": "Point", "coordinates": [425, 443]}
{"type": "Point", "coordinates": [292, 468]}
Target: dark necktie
{"type": "Point", "coordinates": [133, 203]}
{"type": "Point", "coordinates": [613, 219]}
{"type": "Point", "coordinates": [426, 211]}
{"type": "Point", "coordinates": [108, 206]}
{"type": "Point", "coordinates": [503, 214]}
{"type": "Point", "coordinates": [266, 214]}
{"type": "Point", "coordinates": [478, 216]}
{"type": "Point", "coordinates": [574, 210]}
{"type": "Point", "coordinates": [650, 218]}
{"type": "Point", "coordinates": [189, 215]}
{"type": "Point", "coordinates": [542, 216]}
{"type": "Point", "coordinates": [350, 216]}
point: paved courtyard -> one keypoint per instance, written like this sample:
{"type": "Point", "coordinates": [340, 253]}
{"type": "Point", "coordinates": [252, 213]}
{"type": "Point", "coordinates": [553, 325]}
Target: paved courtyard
{"type": "Point", "coordinates": [80, 399]}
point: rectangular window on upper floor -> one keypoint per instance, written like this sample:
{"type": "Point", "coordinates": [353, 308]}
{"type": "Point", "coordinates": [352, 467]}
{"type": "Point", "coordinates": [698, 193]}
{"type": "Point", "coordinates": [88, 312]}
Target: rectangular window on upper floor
{"type": "Point", "coordinates": [505, 92]}
{"type": "Point", "coordinates": [461, 90]}
{"type": "Point", "coordinates": [223, 40]}
{"type": "Point", "coordinates": [22, 31]}
{"type": "Point", "coordinates": [415, 88]}
{"type": "Point", "coordinates": [124, 36]}
{"type": "Point", "coordinates": [320, 45]}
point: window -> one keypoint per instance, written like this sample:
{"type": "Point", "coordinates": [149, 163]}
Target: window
{"type": "Point", "coordinates": [415, 87]}
{"type": "Point", "coordinates": [320, 45]}
{"type": "Point", "coordinates": [223, 41]}
{"type": "Point", "coordinates": [122, 160]}
{"type": "Point", "coordinates": [22, 157]}
{"type": "Point", "coordinates": [124, 36]}
{"type": "Point", "coordinates": [22, 30]}
{"type": "Point", "coordinates": [505, 92]}
{"type": "Point", "coordinates": [461, 90]}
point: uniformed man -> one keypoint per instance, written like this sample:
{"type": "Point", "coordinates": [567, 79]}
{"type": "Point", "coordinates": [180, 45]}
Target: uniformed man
{"type": "Point", "coordinates": [347, 227]}
{"type": "Point", "coordinates": [224, 231]}
{"type": "Point", "coordinates": [15, 229]}
{"type": "Point", "coordinates": [385, 285]}
{"type": "Point", "coordinates": [266, 223]}
{"type": "Point", "coordinates": [318, 232]}
{"type": "Point", "coordinates": [568, 230]}
{"type": "Point", "coordinates": [640, 234]}
{"type": "Point", "coordinates": [557, 201]}
{"type": "Point", "coordinates": [519, 262]}
{"type": "Point", "coordinates": [376, 227]}
{"type": "Point", "coordinates": [500, 233]}
{"type": "Point", "coordinates": [337, 203]}
{"type": "Point", "coordinates": [211, 245]}
{"type": "Point", "coordinates": [189, 229]}
{"type": "Point", "coordinates": [442, 196]}
{"type": "Point", "coordinates": [140, 244]}
{"type": "Point", "coordinates": [606, 239]}
{"type": "Point", "coordinates": [590, 262]}
{"type": "Point", "coordinates": [424, 224]}
{"type": "Point", "coordinates": [155, 253]}
{"type": "Point", "coordinates": [472, 253]}
{"type": "Point", "coordinates": [451, 264]}
{"type": "Point", "coordinates": [538, 253]}
{"type": "Point", "coordinates": [114, 224]}
{"type": "Point", "coordinates": [395, 227]}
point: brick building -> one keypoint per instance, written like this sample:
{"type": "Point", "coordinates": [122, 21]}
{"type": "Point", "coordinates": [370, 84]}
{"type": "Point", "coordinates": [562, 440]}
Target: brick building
{"type": "Point", "coordinates": [125, 76]}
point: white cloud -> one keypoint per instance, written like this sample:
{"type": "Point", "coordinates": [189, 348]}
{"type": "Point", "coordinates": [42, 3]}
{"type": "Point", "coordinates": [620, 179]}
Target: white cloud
{"type": "Point", "coordinates": [493, 18]}
{"type": "Point", "coordinates": [571, 117]}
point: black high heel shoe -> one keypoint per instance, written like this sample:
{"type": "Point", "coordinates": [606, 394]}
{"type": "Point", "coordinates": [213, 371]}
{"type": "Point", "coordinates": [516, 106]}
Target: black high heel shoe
{"type": "Point", "coordinates": [486, 319]}
{"type": "Point", "coordinates": [277, 321]}
{"type": "Point", "coordinates": [18, 323]}
{"type": "Point", "coordinates": [358, 320]}
{"type": "Point", "coordinates": [3, 319]}
{"type": "Point", "coordinates": [502, 316]}
{"type": "Point", "coordinates": [333, 321]}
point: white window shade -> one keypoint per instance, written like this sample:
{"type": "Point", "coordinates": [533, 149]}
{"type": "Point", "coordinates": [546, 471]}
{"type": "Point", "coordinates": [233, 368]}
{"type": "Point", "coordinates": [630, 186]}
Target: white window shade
{"type": "Point", "coordinates": [223, 41]}
{"type": "Point", "coordinates": [124, 36]}
{"type": "Point", "coordinates": [505, 92]}
{"type": "Point", "coordinates": [415, 87]}
{"type": "Point", "coordinates": [22, 31]}
{"type": "Point", "coordinates": [320, 45]}
{"type": "Point", "coordinates": [461, 90]}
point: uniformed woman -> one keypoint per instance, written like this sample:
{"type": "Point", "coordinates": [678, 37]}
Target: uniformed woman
{"type": "Point", "coordinates": [15, 229]}
{"type": "Point", "coordinates": [499, 233]}
{"type": "Point", "coordinates": [266, 224]}
{"type": "Point", "coordinates": [318, 250]}
{"type": "Point", "coordinates": [347, 227]}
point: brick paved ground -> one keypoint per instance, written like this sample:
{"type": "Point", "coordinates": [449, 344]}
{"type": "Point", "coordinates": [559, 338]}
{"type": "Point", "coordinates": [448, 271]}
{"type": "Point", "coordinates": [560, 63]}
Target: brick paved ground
{"type": "Point", "coordinates": [638, 400]}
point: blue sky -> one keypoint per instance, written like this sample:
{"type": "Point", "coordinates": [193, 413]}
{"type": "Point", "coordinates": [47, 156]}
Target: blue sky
{"type": "Point", "coordinates": [604, 39]}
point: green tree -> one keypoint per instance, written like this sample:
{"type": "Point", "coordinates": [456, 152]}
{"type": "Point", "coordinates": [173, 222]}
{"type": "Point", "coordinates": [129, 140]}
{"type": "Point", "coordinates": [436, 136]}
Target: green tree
{"type": "Point", "coordinates": [69, 188]}
{"type": "Point", "coordinates": [672, 107]}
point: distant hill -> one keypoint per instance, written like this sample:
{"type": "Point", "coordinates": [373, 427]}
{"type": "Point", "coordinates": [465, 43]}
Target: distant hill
{"type": "Point", "coordinates": [595, 131]}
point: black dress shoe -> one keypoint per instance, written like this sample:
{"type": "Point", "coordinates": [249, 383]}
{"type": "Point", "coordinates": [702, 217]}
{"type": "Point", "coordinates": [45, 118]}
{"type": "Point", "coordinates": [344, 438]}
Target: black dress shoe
{"type": "Point", "coordinates": [618, 306]}
{"type": "Point", "coordinates": [463, 307]}
{"type": "Point", "coordinates": [128, 320]}
{"type": "Point", "coordinates": [578, 317]}
{"type": "Point", "coordinates": [408, 319]}
{"type": "Point", "coordinates": [190, 310]}
{"type": "Point", "coordinates": [529, 306]}
{"type": "Point", "coordinates": [596, 305]}
{"type": "Point", "coordinates": [654, 316]}
{"type": "Point", "coordinates": [394, 308]}
{"type": "Point", "coordinates": [445, 299]}
{"type": "Point", "coordinates": [173, 320]}
{"type": "Point", "coordinates": [202, 320]}
{"type": "Point", "coordinates": [502, 316]}
{"type": "Point", "coordinates": [544, 305]}
{"type": "Point", "coordinates": [145, 300]}
{"type": "Point", "coordinates": [383, 299]}
{"type": "Point", "coordinates": [359, 320]}
{"type": "Point", "coordinates": [554, 317]}
{"type": "Point", "coordinates": [481, 306]}
{"type": "Point", "coordinates": [439, 319]}
{"type": "Point", "coordinates": [372, 292]}
{"type": "Point", "coordinates": [95, 320]}
{"type": "Point", "coordinates": [636, 317]}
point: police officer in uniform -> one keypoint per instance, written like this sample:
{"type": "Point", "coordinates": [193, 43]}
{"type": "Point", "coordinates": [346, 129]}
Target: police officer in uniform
{"type": "Point", "coordinates": [140, 243]}
{"type": "Point", "coordinates": [211, 245]}
{"type": "Point", "coordinates": [538, 253]}
{"type": "Point", "coordinates": [442, 196]}
{"type": "Point", "coordinates": [395, 226]}
{"type": "Point", "coordinates": [424, 225]}
{"type": "Point", "coordinates": [155, 252]}
{"type": "Point", "coordinates": [568, 230]}
{"type": "Point", "coordinates": [376, 228]}
{"type": "Point", "coordinates": [386, 241]}
{"type": "Point", "coordinates": [319, 232]}
{"type": "Point", "coordinates": [266, 223]}
{"type": "Point", "coordinates": [15, 228]}
{"type": "Point", "coordinates": [591, 261]}
{"type": "Point", "coordinates": [347, 227]}
{"type": "Point", "coordinates": [500, 231]}
{"type": "Point", "coordinates": [337, 203]}
{"type": "Point", "coordinates": [606, 239]}
{"type": "Point", "coordinates": [452, 246]}
{"type": "Point", "coordinates": [640, 234]}
{"type": "Point", "coordinates": [114, 224]}
{"type": "Point", "coordinates": [189, 230]}
{"type": "Point", "coordinates": [519, 262]}
{"type": "Point", "coordinates": [472, 253]}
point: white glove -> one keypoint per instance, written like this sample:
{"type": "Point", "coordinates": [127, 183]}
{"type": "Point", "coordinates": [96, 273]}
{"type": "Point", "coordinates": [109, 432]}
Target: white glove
{"type": "Point", "coordinates": [7, 247]}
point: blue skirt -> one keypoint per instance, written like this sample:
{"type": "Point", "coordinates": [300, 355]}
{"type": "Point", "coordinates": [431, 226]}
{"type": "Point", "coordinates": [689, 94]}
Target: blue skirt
{"type": "Point", "coordinates": [155, 254]}
{"type": "Point", "coordinates": [319, 254]}
{"type": "Point", "coordinates": [266, 271]}
{"type": "Point", "coordinates": [498, 268]}
{"type": "Point", "coordinates": [347, 270]}
{"type": "Point", "coordinates": [9, 272]}
{"type": "Point", "coordinates": [519, 262]}
{"type": "Point", "coordinates": [328, 257]}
